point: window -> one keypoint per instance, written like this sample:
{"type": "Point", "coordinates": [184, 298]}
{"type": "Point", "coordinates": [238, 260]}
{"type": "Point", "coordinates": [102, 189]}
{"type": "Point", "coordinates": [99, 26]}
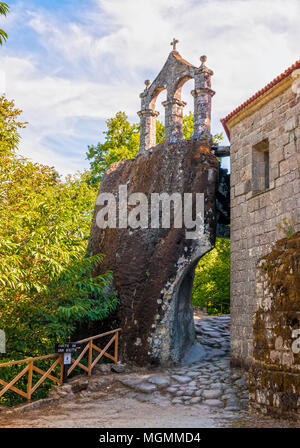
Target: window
{"type": "Point", "coordinates": [260, 167]}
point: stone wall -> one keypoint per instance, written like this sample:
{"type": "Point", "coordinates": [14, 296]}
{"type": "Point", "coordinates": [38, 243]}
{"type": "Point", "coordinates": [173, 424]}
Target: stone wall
{"type": "Point", "coordinates": [255, 216]}
{"type": "Point", "coordinates": [275, 374]}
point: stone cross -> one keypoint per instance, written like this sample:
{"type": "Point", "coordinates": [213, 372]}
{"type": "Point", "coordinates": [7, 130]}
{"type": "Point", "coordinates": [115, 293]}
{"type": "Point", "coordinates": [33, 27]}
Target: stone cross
{"type": "Point", "coordinates": [174, 42]}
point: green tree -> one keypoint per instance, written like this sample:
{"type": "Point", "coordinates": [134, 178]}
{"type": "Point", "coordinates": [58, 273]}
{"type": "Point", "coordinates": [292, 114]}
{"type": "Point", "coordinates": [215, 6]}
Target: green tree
{"type": "Point", "coordinates": [212, 279]}
{"type": "Point", "coordinates": [47, 282]}
{"type": "Point", "coordinates": [4, 8]}
{"type": "Point", "coordinates": [122, 142]}
{"type": "Point", "coordinates": [187, 126]}
{"type": "Point", "coordinates": [9, 129]}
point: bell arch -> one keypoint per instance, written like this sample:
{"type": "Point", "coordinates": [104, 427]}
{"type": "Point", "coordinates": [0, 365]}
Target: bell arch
{"type": "Point", "coordinates": [174, 74]}
{"type": "Point", "coordinates": [153, 98]}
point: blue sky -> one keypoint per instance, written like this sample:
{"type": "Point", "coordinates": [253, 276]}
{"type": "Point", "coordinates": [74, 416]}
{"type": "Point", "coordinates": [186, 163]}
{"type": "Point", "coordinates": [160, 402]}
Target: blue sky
{"type": "Point", "coordinates": [71, 65]}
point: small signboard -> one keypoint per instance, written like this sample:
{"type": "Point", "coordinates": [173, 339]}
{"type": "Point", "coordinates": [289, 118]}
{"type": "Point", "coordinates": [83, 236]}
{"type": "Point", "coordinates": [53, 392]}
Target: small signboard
{"type": "Point", "coordinates": [69, 347]}
{"type": "Point", "coordinates": [67, 358]}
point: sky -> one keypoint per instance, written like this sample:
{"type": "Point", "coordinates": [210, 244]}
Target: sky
{"type": "Point", "coordinates": [70, 65]}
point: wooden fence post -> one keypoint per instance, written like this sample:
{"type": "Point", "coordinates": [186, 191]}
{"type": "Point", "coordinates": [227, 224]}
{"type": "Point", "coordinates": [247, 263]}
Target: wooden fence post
{"type": "Point", "coordinates": [116, 346]}
{"type": "Point", "coordinates": [61, 369]}
{"type": "Point", "coordinates": [29, 385]}
{"type": "Point", "coordinates": [90, 357]}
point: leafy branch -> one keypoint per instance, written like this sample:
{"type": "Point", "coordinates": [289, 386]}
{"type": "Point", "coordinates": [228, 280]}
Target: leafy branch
{"type": "Point", "coordinates": [4, 9]}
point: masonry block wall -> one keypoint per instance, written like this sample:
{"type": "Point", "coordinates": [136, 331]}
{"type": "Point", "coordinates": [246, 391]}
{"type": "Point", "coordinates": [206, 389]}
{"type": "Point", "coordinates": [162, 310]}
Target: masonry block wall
{"type": "Point", "coordinates": [265, 190]}
{"type": "Point", "coordinates": [274, 377]}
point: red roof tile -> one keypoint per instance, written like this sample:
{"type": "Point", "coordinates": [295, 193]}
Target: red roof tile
{"type": "Point", "coordinates": [271, 84]}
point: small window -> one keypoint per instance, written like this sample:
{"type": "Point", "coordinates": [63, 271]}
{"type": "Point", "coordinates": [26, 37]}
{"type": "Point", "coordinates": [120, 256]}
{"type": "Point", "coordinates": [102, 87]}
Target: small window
{"type": "Point", "coordinates": [260, 167]}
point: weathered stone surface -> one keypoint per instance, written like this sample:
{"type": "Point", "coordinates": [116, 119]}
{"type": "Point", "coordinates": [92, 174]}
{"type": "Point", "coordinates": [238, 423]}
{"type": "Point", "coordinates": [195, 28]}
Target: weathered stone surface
{"type": "Point", "coordinates": [104, 368]}
{"type": "Point", "coordinates": [223, 204]}
{"type": "Point", "coordinates": [153, 268]}
{"type": "Point", "coordinates": [214, 403]}
{"type": "Point", "coordinates": [160, 381]}
{"type": "Point", "coordinates": [275, 374]}
{"type": "Point", "coordinates": [79, 384]}
{"type": "Point", "coordinates": [145, 387]}
{"type": "Point", "coordinates": [175, 72]}
{"type": "Point", "coordinates": [195, 400]}
{"type": "Point", "coordinates": [176, 401]}
{"type": "Point", "coordinates": [256, 217]}
{"type": "Point", "coordinates": [181, 379]}
{"type": "Point", "coordinates": [180, 393]}
{"type": "Point", "coordinates": [118, 368]}
{"type": "Point", "coordinates": [233, 408]}
{"type": "Point", "coordinates": [172, 390]}
{"type": "Point", "coordinates": [64, 391]}
{"type": "Point", "coordinates": [211, 394]}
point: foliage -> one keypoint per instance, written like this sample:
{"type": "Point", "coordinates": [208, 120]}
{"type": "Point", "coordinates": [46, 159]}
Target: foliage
{"type": "Point", "coordinates": [187, 126]}
{"type": "Point", "coordinates": [160, 132]}
{"type": "Point", "coordinates": [9, 127]}
{"type": "Point", "coordinates": [287, 226]}
{"type": "Point", "coordinates": [122, 142]}
{"type": "Point", "coordinates": [47, 283]}
{"type": "Point", "coordinates": [212, 279]}
{"type": "Point", "coordinates": [4, 9]}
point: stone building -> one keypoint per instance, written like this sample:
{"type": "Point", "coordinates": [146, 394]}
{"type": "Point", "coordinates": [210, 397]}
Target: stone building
{"type": "Point", "coordinates": [264, 133]}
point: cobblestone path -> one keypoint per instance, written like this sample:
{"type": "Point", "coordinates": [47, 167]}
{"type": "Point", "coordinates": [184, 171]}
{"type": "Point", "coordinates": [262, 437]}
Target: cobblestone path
{"type": "Point", "coordinates": [203, 392]}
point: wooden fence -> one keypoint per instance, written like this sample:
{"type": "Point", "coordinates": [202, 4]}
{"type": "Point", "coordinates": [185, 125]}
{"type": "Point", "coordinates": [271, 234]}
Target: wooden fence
{"type": "Point", "coordinates": [59, 361]}
{"type": "Point", "coordinates": [90, 346]}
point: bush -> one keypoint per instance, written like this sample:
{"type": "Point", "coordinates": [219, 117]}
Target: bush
{"type": "Point", "coordinates": [46, 280]}
{"type": "Point", "coordinates": [212, 279]}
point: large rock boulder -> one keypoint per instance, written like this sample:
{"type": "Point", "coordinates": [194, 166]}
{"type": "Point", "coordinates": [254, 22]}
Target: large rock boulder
{"type": "Point", "coordinates": [153, 268]}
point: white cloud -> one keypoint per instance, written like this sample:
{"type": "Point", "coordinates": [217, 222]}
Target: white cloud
{"type": "Point", "coordinates": [87, 70]}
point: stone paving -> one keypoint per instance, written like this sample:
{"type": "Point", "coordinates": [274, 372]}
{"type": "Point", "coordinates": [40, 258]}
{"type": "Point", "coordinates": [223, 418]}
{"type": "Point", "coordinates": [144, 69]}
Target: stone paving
{"type": "Point", "coordinates": [208, 381]}
{"type": "Point", "coordinates": [204, 392]}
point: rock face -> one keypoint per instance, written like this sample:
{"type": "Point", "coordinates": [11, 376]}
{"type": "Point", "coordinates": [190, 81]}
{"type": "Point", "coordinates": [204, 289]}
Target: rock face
{"type": "Point", "coordinates": [153, 268]}
{"type": "Point", "coordinates": [223, 204]}
{"type": "Point", "coordinates": [275, 373]}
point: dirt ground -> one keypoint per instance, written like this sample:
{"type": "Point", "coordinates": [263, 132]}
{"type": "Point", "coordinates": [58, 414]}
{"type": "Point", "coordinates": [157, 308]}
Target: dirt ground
{"type": "Point", "coordinates": [109, 402]}
{"type": "Point", "coordinates": [110, 408]}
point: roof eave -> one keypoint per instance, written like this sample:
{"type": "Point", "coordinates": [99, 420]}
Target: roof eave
{"type": "Point", "coordinates": [257, 96]}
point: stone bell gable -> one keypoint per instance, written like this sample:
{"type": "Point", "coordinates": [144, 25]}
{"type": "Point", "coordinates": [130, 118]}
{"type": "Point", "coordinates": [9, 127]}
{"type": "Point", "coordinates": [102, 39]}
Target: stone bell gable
{"type": "Point", "coordinates": [172, 77]}
{"type": "Point", "coordinates": [153, 267]}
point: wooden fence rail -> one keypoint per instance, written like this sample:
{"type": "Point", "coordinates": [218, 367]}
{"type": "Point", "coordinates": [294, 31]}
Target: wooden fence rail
{"type": "Point", "coordinates": [90, 346]}
{"type": "Point", "coordinates": [59, 360]}
{"type": "Point", "coordinates": [30, 368]}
